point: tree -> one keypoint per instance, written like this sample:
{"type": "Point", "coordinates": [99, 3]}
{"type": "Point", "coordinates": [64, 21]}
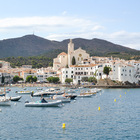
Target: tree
{"type": "Point", "coordinates": [53, 79]}
{"type": "Point", "coordinates": [84, 79]}
{"type": "Point", "coordinates": [92, 79]}
{"type": "Point", "coordinates": [16, 78]}
{"type": "Point", "coordinates": [2, 79]}
{"type": "Point", "coordinates": [69, 80]}
{"type": "Point", "coordinates": [34, 78]}
{"type": "Point", "coordinates": [29, 79]}
{"type": "Point", "coordinates": [73, 60]}
{"type": "Point", "coordinates": [106, 70]}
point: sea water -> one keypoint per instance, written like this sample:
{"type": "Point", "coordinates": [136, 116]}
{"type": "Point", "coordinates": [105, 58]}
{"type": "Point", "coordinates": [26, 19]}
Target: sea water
{"type": "Point", "coordinates": [118, 120]}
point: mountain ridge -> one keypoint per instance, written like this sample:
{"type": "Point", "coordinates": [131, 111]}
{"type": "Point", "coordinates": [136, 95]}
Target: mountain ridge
{"type": "Point", "coordinates": [32, 45]}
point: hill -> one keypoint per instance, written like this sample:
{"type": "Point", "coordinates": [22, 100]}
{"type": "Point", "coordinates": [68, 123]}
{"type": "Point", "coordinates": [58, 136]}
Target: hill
{"type": "Point", "coordinates": [32, 45]}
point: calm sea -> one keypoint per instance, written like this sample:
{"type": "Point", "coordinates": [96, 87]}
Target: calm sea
{"type": "Point", "coordinates": [118, 120]}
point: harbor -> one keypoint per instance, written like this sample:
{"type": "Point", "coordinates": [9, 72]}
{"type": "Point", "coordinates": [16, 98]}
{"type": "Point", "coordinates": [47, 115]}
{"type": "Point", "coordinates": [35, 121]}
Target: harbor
{"type": "Point", "coordinates": [96, 117]}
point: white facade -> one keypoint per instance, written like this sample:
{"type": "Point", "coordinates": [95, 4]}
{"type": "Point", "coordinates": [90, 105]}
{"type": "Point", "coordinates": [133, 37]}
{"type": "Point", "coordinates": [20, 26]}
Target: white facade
{"type": "Point", "coordinates": [78, 72]}
{"type": "Point", "coordinates": [44, 73]}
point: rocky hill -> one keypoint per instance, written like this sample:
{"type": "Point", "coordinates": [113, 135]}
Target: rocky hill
{"type": "Point", "coordinates": [31, 45]}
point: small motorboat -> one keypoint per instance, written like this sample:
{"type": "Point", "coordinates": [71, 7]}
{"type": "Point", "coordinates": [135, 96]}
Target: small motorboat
{"type": "Point", "coordinates": [71, 96]}
{"type": "Point", "coordinates": [49, 92]}
{"type": "Point", "coordinates": [84, 95]}
{"type": "Point", "coordinates": [24, 92]}
{"type": "Point", "coordinates": [4, 102]}
{"type": "Point", "coordinates": [43, 104]}
{"type": "Point", "coordinates": [17, 98]}
{"type": "Point", "coordinates": [62, 98]}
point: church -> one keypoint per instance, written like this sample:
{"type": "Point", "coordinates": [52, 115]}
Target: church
{"type": "Point", "coordinates": [65, 60]}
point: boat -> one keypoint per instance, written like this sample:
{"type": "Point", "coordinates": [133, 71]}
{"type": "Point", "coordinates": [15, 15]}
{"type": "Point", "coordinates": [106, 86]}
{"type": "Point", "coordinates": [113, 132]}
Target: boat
{"type": "Point", "coordinates": [43, 104]}
{"type": "Point", "coordinates": [49, 92]}
{"type": "Point", "coordinates": [84, 95]}
{"type": "Point", "coordinates": [3, 100]}
{"type": "Point", "coordinates": [91, 91]}
{"type": "Point", "coordinates": [71, 96]}
{"type": "Point", "coordinates": [17, 98]}
{"type": "Point", "coordinates": [62, 98]}
{"type": "Point", "coordinates": [24, 92]}
{"type": "Point", "coordinates": [70, 91]}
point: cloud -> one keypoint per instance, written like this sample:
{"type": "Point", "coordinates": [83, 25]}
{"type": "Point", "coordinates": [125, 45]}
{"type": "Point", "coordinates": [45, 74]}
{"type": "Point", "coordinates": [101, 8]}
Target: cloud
{"type": "Point", "coordinates": [62, 27]}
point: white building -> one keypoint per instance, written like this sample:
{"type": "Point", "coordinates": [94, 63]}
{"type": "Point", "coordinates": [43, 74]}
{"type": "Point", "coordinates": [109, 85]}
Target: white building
{"type": "Point", "coordinates": [44, 73]}
{"type": "Point", "coordinates": [77, 72]}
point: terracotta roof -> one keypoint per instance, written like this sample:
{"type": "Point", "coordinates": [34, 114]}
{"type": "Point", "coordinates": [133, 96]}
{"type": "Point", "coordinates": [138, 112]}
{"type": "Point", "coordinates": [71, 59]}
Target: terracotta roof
{"type": "Point", "coordinates": [62, 53]}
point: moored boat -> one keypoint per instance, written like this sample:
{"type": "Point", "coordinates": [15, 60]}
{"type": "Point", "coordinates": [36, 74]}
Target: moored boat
{"type": "Point", "coordinates": [44, 104]}
{"type": "Point", "coordinates": [24, 92]}
{"type": "Point", "coordinates": [62, 98]}
{"type": "Point", "coordinates": [49, 92]}
{"type": "Point", "coordinates": [4, 102]}
{"type": "Point", "coordinates": [17, 98]}
{"type": "Point", "coordinates": [84, 95]}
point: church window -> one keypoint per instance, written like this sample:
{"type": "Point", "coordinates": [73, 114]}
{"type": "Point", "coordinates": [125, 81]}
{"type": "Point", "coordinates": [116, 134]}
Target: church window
{"type": "Point", "coordinates": [82, 58]}
{"type": "Point", "coordinates": [78, 58]}
{"type": "Point", "coordinates": [80, 55]}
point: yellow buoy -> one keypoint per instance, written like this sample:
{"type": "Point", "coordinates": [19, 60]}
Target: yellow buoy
{"type": "Point", "coordinates": [114, 100]}
{"type": "Point", "coordinates": [99, 108]}
{"type": "Point", "coordinates": [125, 92]}
{"type": "Point", "coordinates": [63, 126]}
{"type": "Point", "coordinates": [120, 95]}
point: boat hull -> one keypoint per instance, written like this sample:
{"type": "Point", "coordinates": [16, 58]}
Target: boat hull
{"type": "Point", "coordinates": [38, 104]}
{"type": "Point", "coordinates": [16, 98]}
{"type": "Point", "coordinates": [5, 103]}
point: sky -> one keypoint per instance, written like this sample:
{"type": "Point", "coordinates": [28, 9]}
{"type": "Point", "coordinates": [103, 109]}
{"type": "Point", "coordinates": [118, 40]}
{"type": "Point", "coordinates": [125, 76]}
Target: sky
{"type": "Point", "coordinates": [116, 21]}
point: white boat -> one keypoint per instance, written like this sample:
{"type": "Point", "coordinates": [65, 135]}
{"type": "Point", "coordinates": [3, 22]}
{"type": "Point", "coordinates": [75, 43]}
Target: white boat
{"type": "Point", "coordinates": [17, 98]}
{"type": "Point", "coordinates": [62, 98]}
{"type": "Point", "coordinates": [49, 92]}
{"type": "Point", "coordinates": [46, 104]}
{"type": "Point", "coordinates": [4, 102]}
{"type": "Point", "coordinates": [84, 95]}
{"type": "Point", "coordinates": [24, 92]}
{"type": "Point", "coordinates": [70, 91]}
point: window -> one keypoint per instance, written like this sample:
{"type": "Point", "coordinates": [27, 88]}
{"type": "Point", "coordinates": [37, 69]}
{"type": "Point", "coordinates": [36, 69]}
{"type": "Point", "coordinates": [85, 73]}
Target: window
{"type": "Point", "coordinates": [66, 76]}
{"type": "Point", "coordinates": [80, 55]}
{"type": "Point", "coordinates": [71, 76]}
{"type": "Point", "coordinates": [71, 71]}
